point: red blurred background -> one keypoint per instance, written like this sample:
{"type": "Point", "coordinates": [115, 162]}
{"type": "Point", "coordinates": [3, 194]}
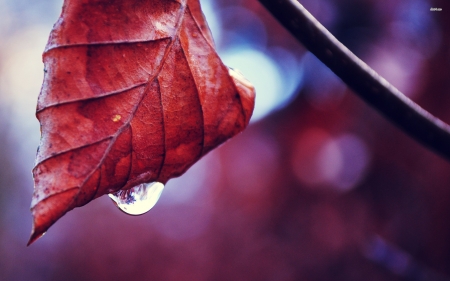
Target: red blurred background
{"type": "Point", "coordinates": [319, 187]}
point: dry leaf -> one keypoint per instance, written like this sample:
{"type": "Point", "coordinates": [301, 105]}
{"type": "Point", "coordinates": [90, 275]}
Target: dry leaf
{"type": "Point", "coordinates": [133, 92]}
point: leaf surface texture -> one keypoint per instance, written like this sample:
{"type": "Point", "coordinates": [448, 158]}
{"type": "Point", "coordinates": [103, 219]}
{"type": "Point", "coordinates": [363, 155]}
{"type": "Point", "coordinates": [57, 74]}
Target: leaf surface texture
{"type": "Point", "coordinates": [133, 92]}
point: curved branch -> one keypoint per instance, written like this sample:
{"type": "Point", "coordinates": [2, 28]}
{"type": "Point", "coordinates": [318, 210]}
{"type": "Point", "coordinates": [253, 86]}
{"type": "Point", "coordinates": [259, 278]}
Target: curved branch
{"type": "Point", "coordinates": [371, 87]}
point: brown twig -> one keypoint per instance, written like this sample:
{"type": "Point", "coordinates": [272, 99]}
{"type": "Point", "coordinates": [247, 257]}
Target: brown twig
{"type": "Point", "coordinates": [363, 80]}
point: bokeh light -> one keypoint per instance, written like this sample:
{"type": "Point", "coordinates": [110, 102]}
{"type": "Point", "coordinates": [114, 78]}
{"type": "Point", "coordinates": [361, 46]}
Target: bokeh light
{"type": "Point", "coordinates": [242, 41]}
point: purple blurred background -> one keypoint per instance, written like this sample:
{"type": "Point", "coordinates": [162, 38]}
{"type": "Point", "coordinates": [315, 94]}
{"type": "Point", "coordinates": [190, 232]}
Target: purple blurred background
{"type": "Point", "coordinates": [319, 187]}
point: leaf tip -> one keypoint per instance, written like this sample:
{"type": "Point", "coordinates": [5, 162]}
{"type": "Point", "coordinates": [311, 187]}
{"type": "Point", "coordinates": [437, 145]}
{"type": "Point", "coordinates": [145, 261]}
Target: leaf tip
{"type": "Point", "coordinates": [35, 234]}
{"type": "Point", "coordinates": [47, 211]}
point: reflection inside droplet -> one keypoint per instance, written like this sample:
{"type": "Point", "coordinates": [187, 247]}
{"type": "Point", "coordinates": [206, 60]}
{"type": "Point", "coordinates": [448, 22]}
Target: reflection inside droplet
{"type": "Point", "coordinates": [139, 199]}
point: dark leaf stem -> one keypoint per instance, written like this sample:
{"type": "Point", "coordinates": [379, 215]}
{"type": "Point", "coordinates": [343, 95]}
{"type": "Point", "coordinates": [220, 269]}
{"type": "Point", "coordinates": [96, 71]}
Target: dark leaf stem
{"type": "Point", "coordinates": [363, 80]}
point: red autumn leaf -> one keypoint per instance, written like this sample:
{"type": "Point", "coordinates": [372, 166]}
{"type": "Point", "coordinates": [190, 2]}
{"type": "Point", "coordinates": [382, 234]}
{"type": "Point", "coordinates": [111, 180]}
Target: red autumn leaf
{"type": "Point", "coordinates": [133, 92]}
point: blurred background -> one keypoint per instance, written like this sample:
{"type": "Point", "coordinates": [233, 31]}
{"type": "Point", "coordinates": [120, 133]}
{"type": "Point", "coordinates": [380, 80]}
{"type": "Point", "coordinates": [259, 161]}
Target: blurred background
{"type": "Point", "coordinates": [319, 187]}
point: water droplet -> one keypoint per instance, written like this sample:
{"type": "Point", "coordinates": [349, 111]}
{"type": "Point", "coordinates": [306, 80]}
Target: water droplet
{"type": "Point", "coordinates": [139, 199]}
